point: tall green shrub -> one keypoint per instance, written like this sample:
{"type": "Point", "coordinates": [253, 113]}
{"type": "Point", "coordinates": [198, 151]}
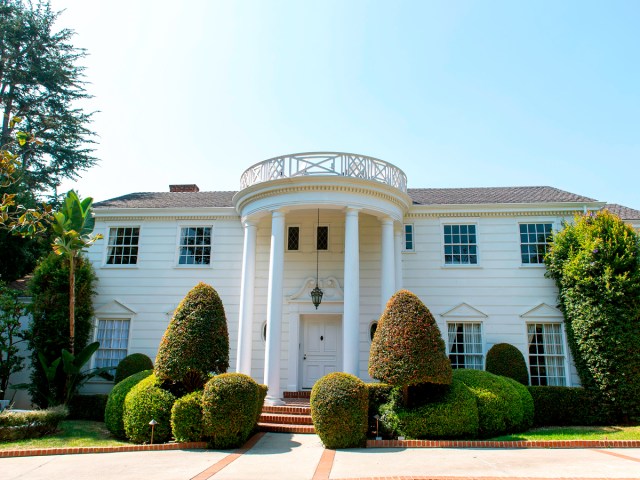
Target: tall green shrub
{"type": "Point", "coordinates": [339, 405]}
{"type": "Point", "coordinates": [506, 360]}
{"type": "Point", "coordinates": [595, 262]}
{"type": "Point", "coordinates": [196, 342]}
{"type": "Point", "coordinates": [49, 329]}
{"type": "Point", "coordinates": [407, 348]}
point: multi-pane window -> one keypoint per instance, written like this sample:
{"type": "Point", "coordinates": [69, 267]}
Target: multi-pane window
{"type": "Point", "coordinates": [546, 354]}
{"type": "Point", "coordinates": [534, 241]}
{"type": "Point", "coordinates": [113, 335]}
{"type": "Point", "coordinates": [465, 345]}
{"type": "Point", "coordinates": [123, 246]}
{"type": "Point", "coordinates": [460, 245]}
{"type": "Point", "coordinates": [408, 237]}
{"type": "Point", "coordinates": [322, 237]}
{"type": "Point", "coordinates": [293, 238]}
{"type": "Point", "coordinates": [195, 246]}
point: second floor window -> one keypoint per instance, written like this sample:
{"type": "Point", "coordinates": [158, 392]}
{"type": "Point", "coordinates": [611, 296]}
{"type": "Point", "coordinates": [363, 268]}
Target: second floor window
{"type": "Point", "coordinates": [293, 238]}
{"type": "Point", "coordinates": [195, 246]}
{"type": "Point", "coordinates": [460, 245]}
{"type": "Point", "coordinates": [534, 242]}
{"type": "Point", "coordinates": [408, 237]}
{"type": "Point", "coordinates": [123, 246]}
{"type": "Point", "coordinates": [322, 237]}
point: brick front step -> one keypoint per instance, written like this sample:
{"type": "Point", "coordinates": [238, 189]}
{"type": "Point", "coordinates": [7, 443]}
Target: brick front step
{"type": "Point", "coordinates": [299, 394]}
{"type": "Point", "coordinates": [286, 419]}
{"type": "Point", "coordinates": [284, 428]}
{"type": "Point", "coordinates": [286, 409]}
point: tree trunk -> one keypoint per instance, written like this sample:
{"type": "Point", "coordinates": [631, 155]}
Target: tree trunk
{"type": "Point", "coordinates": [72, 302]}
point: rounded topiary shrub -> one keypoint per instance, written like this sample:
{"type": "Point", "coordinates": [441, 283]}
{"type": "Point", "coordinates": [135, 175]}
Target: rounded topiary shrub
{"type": "Point", "coordinates": [452, 413]}
{"type": "Point", "coordinates": [145, 402]}
{"type": "Point", "coordinates": [506, 360]}
{"type": "Point", "coordinates": [499, 406]}
{"type": "Point", "coordinates": [134, 363]}
{"type": "Point", "coordinates": [196, 342]}
{"type": "Point", "coordinates": [528, 408]}
{"type": "Point", "coordinates": [229, 405]}
{"type": "Point", "coordinates": [186, 418]}
{"type": "Point", "coordinates": [407, 348]}
{"type": "Point", "coordinates": [114, 410]}
{"type": "Point", "coordinates": [339, 405]}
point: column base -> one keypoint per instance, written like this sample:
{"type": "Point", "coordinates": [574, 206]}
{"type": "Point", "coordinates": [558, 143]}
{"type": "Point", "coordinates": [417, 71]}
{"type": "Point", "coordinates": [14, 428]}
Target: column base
{"type": "Point", "coordinates": [273, 401]}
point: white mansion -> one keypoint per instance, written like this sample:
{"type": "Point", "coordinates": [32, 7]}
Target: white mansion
{"type": "Point", "coordinates": [349, 223]}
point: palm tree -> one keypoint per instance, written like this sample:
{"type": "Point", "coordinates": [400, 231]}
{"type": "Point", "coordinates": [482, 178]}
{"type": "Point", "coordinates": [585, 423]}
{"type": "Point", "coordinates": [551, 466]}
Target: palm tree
{"type": "Point", "coordinates": [73, 226]}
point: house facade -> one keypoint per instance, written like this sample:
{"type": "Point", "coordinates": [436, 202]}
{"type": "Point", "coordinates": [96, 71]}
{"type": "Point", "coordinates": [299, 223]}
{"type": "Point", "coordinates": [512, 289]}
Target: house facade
{"type": "Point", "coordinates": [348, 225]}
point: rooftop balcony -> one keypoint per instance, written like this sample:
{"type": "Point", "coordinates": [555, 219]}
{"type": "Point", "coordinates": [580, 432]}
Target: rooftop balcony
{"type": "Point", "coordinates": [325, 164]}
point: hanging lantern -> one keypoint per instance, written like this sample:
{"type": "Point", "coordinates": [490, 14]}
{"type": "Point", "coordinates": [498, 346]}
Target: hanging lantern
{"type": "Point", "coordinates": [316, 293]}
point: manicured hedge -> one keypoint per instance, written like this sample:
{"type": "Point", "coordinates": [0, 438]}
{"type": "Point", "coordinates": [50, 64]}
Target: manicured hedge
{"type": "Point", "coordinates": [134, 363]}
{"type": "Point", "coordinates": [186, 418]}
{"type": "Point", "coordinates": [145, 402]}
{"type": "Point", "coordinates": [196, 342]}
{"type": "Point", "coordinates": [559, 406]}
{"type": "Point", "coordinates": [229, 405]}
{"type": "Point", "coordinates": [339, 404]}
{"type": "Point", "coordinates": [88, 407]}
{"type": "Point", "coordinates": [500, 408]}
{"type": "Point", "coordinates": [113, 414]}
{"type": "Point", "coordinates": [528, 407]}
{"type": "Point", "coordinates": [31, 424]}
{"type": "Point", "coordinates": [451, 414]}
{"type": "Point", "coordinates": [506, 360]}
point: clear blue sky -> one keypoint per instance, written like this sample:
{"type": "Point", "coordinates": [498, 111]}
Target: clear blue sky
{"type": "Point", "coordinates": [456, 93]}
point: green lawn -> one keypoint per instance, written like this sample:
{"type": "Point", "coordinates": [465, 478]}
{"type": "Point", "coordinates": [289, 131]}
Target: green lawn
{"type": "Point", "coordinates": [71, 433]}
{"type": "Point", "coordinates": [575, 433]}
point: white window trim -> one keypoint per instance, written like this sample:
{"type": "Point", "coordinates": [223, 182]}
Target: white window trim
{"type": "Point", "coordinates": [96, 321]}
{"type": "Point", "coordinates": [482, 336]}
{"type": "Point", "coordinates": [554, 228]}
{"type": "Point", "coordinates": [404, 238]}
{"type": "Point", "coordinates": [461, 221]}
{"type": "Point", "coordinates": [105, 253]}
{"type": "Point", "coordinates": [177, 263]}
{"type": "Point", "coordinates": [565, 345]}
{"type": "Point", "coordinates": [286, 239]}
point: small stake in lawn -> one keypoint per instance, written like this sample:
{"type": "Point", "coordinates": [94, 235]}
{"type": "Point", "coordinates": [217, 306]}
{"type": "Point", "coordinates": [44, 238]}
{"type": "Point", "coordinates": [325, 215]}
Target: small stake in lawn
{"type": "Point", "coordinates": [153, 423]}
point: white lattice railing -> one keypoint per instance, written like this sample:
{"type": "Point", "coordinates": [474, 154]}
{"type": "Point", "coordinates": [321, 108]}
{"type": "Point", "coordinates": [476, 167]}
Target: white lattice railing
{"type": "Point", "coordinates": [325, 163]}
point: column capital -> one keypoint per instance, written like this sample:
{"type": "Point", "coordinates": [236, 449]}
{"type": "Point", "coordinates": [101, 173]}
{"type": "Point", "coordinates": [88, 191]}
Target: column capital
{"type": "Point", "coordinates": [247, 223]}
{"type": "Point", "coordinates": [386, 220]}
{"type": "Point", "coordinates": [352, 211]}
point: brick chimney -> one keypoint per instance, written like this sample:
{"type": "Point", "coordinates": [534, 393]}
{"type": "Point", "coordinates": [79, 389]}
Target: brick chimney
{"type": "Point", "coordinates": [192, 187]}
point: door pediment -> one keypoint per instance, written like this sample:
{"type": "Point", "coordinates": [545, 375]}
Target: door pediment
{"type": "Point", "coordinates": [332, 292]}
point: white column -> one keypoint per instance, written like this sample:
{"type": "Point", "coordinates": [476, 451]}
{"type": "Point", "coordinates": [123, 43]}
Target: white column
{"type": "Point", "coordinates": [387, 260]}
{"type": "Point", "coordinates": [245, 320]}
{"type": "Point", "coordinates": [351, 319]}
{"type": "Point", "coordinates": [274, 309]}
{"type": "Point", "coordinates": [398, 236]}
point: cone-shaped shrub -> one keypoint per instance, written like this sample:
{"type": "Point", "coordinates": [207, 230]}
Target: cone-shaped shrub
{"type": "Point", "coordinates": [506, 360]}
{"type": "Point", "coordinates": [407, 348]}
{"type": "Point", "coordinates": [196, 342]}
{"type": "Point", "coordinates": [339, 405]}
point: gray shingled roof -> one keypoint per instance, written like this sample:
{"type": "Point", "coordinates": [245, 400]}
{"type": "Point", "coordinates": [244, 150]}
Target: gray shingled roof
{"type": "Point", "coordinates": [470, 196]}
{"type": "Point", "coordinates": [420, 196]}
{"type": "Point", "coordinates": [625, 213]}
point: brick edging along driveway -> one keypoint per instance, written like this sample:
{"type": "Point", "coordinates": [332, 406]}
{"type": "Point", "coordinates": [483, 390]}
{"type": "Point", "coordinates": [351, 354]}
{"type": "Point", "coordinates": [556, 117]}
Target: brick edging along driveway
{"type": "Point", "coordinates": [370, 444]}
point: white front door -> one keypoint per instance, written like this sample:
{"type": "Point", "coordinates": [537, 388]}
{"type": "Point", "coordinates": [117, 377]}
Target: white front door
{"type": "Point", "coordinates": [320, 347]}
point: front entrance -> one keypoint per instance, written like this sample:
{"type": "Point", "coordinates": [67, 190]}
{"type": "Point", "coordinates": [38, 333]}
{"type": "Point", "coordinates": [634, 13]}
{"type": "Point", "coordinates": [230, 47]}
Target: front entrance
{"type": "Point", "coordinates": [320, 347]}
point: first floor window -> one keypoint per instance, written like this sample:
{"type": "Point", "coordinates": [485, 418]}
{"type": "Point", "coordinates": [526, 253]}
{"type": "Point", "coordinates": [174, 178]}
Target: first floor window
{"type": "Point", "coordinates": [546, 354]}
{"type": "Point", "coordinates": [123, 246]}
{"type": "Point", "coordinates": [465, 345]}
{"type": "Point", "coordinates": [460, 245]}
{"type": "Point", "coordinates": [195, 246]}
{"type": "Point", "coordinates": [408, 237]}
{"type": "Point", "coordinates": [113, 335]}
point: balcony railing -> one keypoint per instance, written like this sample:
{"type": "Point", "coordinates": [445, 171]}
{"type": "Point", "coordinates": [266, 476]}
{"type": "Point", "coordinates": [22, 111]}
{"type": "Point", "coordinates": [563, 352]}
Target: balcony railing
{"type": "Point", "coordinates": [322, 164]}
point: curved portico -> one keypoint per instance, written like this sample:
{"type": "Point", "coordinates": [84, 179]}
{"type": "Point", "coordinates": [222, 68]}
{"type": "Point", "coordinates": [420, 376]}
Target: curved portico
{"type": "Point", "coordinates": [347, 186]}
